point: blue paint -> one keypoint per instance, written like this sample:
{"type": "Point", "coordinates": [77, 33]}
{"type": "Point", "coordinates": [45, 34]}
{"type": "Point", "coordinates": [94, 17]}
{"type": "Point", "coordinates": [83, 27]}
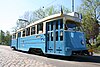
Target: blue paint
{"type": "Point", "coordinates": [14, 43]}
{"type": "Point", "coordinates": [51, 42]}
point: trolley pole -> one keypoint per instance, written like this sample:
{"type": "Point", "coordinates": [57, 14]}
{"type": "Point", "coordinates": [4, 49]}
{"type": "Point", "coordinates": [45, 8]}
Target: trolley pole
{"type": "Point", "coordinates": [72, 5]}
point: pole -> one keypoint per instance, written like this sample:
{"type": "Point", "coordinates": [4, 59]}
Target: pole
{"type": "Point", "coordinates": [72, 5]}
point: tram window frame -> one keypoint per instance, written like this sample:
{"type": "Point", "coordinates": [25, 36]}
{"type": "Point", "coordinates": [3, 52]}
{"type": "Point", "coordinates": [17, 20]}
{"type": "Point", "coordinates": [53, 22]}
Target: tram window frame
{"type": "Point", "coordinates": [52, 25]}
{"type": "Point", "coordinates": [56, 35]}
{"type": "Point", "coordinates": [48, 24]}
{"type": "Point", "coordinates": [61, 35]}
{"type": "Point", "coordinates": [48, 39]}
{"type": "Point", "coordinates": [19, 34]}
{"type": "Point", "coordinates": [56, 24]}
{"type": "Point", "coordinates": [52, 36]}
{"type": "Point", "coordinates": [14, 36]}
{"type": "Point", "coordinates": [61, 23]}
{"type": "Point", "coordinates": [28, 31]}
{"type": "Point", "coordinates": [23, 35]}
{"type": "Point", "coordinates": [33, 30]}
{"type": "Point", "coordinates": [40, 28]}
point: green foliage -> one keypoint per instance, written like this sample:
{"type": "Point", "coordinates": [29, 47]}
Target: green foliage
{"type": "Point", "coordinates": [96, 49]}
{"type": "Point", "coordinates": [2, 35]}
{"type": "Point", "coordinates": [98, 41]}
{"type": "Point", "coordinates": [92, 7]}
{"type": "Point", "coordinates": [90, 10]}
{"type": "Point", "coordinates": [44, 12]}
{"type": "Point", "coordinates": [38, 14]}
{"type": "Point", "coordinates": [5, 38]}
{"type": "Point", "coordinates": [98, 38]}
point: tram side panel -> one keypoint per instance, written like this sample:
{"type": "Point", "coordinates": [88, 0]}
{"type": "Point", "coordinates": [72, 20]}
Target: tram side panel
{"type": "Point", "coordinates": [14, 43]}
{"type": "Point", "coordinates": [67, 44]}
{"type": "Point", "coordinates": [33, 41]}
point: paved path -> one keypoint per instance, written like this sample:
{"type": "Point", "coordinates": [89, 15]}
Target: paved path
{"type": "Point", "coordinates": [10, 58]}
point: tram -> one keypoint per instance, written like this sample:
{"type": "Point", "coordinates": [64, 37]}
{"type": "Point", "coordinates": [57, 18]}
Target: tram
{"type": "Point", "coordinates": [58, 34]}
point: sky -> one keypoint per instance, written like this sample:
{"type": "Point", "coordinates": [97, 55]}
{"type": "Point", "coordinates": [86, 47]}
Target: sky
{"type": "Point", "coordinates": [11, 10]}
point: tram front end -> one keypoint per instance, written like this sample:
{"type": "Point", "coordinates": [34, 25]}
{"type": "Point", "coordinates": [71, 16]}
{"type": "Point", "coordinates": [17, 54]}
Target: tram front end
{"type": "Point", "coordinates": [74, 37]}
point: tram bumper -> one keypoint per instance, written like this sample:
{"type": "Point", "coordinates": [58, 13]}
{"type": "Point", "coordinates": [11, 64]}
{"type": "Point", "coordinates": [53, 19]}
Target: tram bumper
{"type": "Point", "coordinates": [70, 52]}
{"type": "Point", "coordinates": [80, 52]}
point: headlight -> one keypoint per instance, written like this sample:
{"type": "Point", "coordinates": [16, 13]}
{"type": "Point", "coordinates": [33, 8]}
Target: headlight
{"type": "Point", "coordinates": [82, 42]}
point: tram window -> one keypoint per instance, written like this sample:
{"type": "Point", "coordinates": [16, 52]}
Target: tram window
{"type": "Point", "coordinates": [48, 28]}
{"type": "Point", "coordinates": [23, 33]}
{"type": "Point", "coordinates": [51, 25]}
{"type": "Point", "coordinates": [52, 36]}
{"type": "Point", "coordinates": [40, 28]}
{"type": "Point", "coordinates": [73, 26]}
{"type": "Point", "coordinates": [33, 30]}
{"type": "Point", "coordinates": [65, 27]}
{"type": "Point", "coordinates": [57, 36]}
{"type": "Point", "coordinates": [14, 36]}
{"type": "Point", "coordinates": [19, 34]}
{"type": "Point", "coordinates": [28, 31]}
{"type": "Point", "coordinates": [61, 24]}
{"type": "Point", "coordinates": [56, 24]}
{"type": "Point", "coordinates": [61, 35]}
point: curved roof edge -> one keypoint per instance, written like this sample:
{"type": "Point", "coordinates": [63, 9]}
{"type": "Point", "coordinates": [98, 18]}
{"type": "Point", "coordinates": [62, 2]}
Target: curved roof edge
{"type": "Point", "coordinates": [51, 17]}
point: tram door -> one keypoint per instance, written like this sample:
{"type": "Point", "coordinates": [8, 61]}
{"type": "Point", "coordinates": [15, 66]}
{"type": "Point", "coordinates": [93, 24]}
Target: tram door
{"type": "Point", "coordinates": [18, 39]}
{"type": "Point", "coordinates": [51, 33]}
{"type": "Point", "coordinates": [54, 31]}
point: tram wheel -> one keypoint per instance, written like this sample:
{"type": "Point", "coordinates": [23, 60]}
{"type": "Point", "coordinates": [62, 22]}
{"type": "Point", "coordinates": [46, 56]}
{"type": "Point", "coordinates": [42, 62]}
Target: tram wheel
{"type": "Point", "coordinates": [90, 53]}
{"type": "Point", "coordinates": [13, 48]}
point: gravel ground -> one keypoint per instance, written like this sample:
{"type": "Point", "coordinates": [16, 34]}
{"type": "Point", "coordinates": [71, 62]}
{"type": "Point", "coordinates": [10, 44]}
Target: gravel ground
{"type": "Point", "coordinates": [10, 58]}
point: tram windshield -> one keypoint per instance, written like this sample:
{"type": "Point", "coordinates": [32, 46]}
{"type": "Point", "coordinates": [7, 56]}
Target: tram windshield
{"type": "Point", "coordinates": [73, 26]}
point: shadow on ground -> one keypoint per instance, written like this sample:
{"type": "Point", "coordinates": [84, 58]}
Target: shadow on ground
{"type": "Point", "coordinates": [93, 59]}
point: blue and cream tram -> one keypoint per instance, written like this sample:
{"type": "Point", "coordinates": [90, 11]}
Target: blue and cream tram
{"type": "Point", "coordinates": [59, 34]}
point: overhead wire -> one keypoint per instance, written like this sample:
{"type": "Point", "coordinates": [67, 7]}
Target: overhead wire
{"type": "Point", "coordinates": [49, 3]}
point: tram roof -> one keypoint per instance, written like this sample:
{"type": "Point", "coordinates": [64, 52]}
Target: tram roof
{"type": "Point", "coordinates": [46, 19]}
{"type": "Point", "coordinates": [53, 17]}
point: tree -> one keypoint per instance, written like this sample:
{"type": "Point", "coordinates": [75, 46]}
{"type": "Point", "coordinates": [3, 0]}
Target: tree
{"type": "Point", "coordinates": [30, 17]}
{"type": "Point", "coordinates": [44, 12]}
{"type": "Point", "coordinates": [98, 40]}
{"type": "Point", "coordinates": [7, 38]}
{"type": "Point", "coordinates": [14, 29]}
{"type": "Point", "coordinates": [2, 35]}
{"type": "Point", "coordinates": [21, 23]}
{"type": "Point", "coordinates": [90, 10]}
{"type": "Point", "coordinates": [24, 20]}
{"type": "Point", "coordinates": [92, 7]}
